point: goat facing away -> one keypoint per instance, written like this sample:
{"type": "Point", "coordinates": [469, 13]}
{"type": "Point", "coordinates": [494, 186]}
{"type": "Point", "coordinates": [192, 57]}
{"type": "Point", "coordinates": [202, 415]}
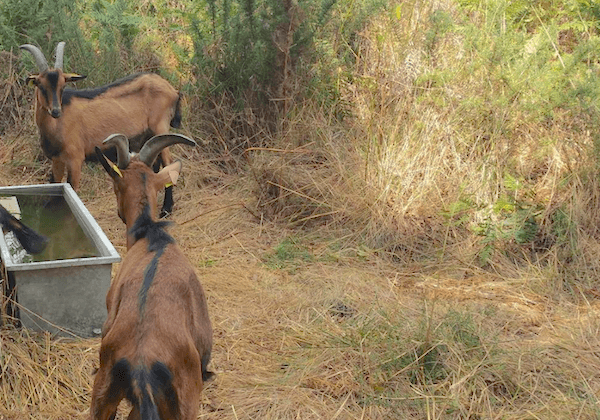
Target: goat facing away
{"type": "Point", "coordinates": [73, 122]}
{"type": "Point", "coordinates": [30, 240]}
{"type": "Point", "coordinates": [157, 338]}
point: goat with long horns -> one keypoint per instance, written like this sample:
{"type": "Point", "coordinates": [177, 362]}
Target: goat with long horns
{"type": "Point", "coordinates": [73, 122]}
{"type": "Point", "coordinates": [157, 338]}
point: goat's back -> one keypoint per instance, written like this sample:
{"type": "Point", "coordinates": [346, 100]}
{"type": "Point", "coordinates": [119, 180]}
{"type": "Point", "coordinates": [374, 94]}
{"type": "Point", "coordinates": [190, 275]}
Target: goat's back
{"type": "Point", "coordinates": [148, 83]}
{"type": "Point", "coordinates": [138, 106]}
{"type": "Point", "coordinates": [169, 304]}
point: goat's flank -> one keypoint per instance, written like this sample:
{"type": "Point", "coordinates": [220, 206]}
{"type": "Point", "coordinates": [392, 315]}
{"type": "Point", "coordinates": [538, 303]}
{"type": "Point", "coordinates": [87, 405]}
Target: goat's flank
{"type": "Point", "coordinates": [73, 122]}
{"type": "Point", "coordinates": [157, 338]}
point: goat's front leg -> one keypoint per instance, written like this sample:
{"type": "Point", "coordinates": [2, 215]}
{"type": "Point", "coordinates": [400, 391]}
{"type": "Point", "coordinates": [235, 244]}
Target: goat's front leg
{"type": "Point", "coordinates": [57, 171]}
{"type": "Point", "coordinates": [189, 399]}
{"type": "Point", "coordinates": [74, 172]}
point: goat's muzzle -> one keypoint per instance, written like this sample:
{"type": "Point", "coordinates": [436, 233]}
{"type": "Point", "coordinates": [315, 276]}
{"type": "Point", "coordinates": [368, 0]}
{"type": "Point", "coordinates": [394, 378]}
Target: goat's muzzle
{"type": "Point", "coordinates": [55, 113]}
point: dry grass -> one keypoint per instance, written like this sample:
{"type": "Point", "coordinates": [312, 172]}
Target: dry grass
{"type": "Point", "coordinates": [336, 288]}
{"type": "Point", "coordinates": [343, 335]}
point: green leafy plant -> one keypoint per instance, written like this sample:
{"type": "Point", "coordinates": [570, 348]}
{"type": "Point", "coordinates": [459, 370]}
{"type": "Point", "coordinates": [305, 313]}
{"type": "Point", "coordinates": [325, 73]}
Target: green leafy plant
{"type": "Point", "coordinates": [115, 23]}
{"type": "Point", "coordinates": [441, 22]}
{"type": "Point", "coordinates": [289, 254]}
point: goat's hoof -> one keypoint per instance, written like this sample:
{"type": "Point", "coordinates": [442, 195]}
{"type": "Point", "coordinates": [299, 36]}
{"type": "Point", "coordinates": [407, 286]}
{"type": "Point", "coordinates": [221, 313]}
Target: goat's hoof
{"type": "Point", "coordinates": [164, 214]}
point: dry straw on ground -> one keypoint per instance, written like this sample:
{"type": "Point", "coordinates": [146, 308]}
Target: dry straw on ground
{"type": "Point", "coordinates": [336, 288]}
{"type": "Point", "coordinates": [324, 338]}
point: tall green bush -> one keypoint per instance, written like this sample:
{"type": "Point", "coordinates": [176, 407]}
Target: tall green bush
{"type": "Point", "coordinates": [41, 23]}
{"type": "Point", "coordinates": [233, 43]}
{"type": "Point", "coordinates": [96, 32]}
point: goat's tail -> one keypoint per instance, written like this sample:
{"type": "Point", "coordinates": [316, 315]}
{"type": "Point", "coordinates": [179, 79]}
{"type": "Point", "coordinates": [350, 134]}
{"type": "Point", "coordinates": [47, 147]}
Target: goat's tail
{"type": "Point", "coordinates": [32, 242]}
{"type": "Point", "coordinates": [176, 120]}
{"type": "Point", "coordinates": [145, 389]}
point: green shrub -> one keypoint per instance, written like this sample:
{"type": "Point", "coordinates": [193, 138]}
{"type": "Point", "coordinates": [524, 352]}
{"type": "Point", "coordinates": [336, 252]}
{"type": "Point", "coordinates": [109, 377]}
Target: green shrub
{"type": "Point", "coordinates": [233, 43]}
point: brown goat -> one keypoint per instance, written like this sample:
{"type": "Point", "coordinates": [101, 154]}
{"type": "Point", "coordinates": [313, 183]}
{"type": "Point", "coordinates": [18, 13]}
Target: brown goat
{"type": "Point", "coordinates": [157, 338]}
{"type": "Point", "coordinates": [73, 122]}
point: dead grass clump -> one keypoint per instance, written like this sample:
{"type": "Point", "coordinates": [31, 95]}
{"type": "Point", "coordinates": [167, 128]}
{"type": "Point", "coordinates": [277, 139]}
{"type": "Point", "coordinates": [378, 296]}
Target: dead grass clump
{"type": "Point", "coordinates": [15, 98]}
{"type": "Point", "coordinates": [425, 166]}
{"type": "Point", "coordinates": [226, 132]}
{"type": "Point", "coordinates": [42, 377]}
{"type": "Point", "coordinates": [293, 185]}
{"type": "Point", "coordinates": [21, 158]}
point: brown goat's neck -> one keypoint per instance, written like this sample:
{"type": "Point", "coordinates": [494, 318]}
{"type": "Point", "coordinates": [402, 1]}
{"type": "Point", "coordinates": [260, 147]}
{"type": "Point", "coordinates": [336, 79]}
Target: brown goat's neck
{"type": "Point", "coordinates": [146, 213]}
{"type": "Point", "coordinates": [136, 196]}
{"type": "Point", "coordinates": [147, 227]}
{"type": "Point", "coordinates": [131, 222]}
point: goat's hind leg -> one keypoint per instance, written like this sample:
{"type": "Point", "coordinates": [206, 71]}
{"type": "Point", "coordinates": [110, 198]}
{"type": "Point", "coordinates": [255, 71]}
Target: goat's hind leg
{"type": "Point", "coordinates": [163, 160]}
{"type": "Point", "coordinates": [134, 414]}
{"type": "Point", "coordinates": [105, 398]}
{"type": "Point", "coordinates": [189, 388]}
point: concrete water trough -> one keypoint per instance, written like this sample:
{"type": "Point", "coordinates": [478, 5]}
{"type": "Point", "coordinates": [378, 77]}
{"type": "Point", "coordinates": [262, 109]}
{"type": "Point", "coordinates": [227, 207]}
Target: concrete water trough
{"type": "Point", "coordinates": [63, 289]}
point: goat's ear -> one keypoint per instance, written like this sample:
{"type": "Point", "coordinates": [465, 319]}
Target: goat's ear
{"type": "Point", "coordinates": [32, 80]}
{"type": "Point", "coordinates": [168, 175]}
{"type": "Point", "coordinates": [110, 167]}
{"type": "Point", "coordinates": [73, 77]}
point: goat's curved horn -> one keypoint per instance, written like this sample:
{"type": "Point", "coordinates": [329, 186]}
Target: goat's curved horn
{"type": "Point", "coordinates": [121, 143]}
{"type": "Point", "coordinates": [40, 60]}
{"type": "Point", "coordinates": [154, 146]}
{"type": "Point", "coordinates": [60, 52]}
